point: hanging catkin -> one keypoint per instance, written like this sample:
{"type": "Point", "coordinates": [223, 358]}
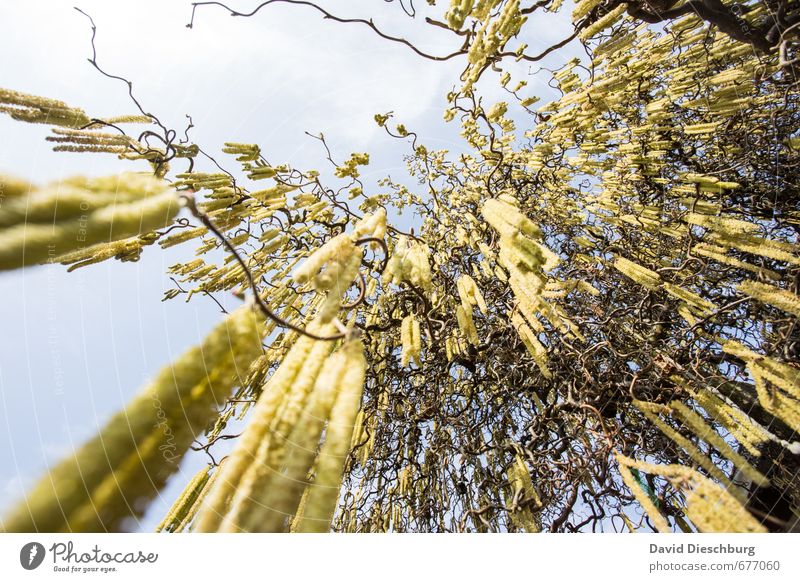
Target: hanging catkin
{"type": "Point", "coordinates": [127, 463]}
{"type": "Point", "coordinates": [230, 473]}
{"type": "Point", "coordinates": [642, 497]}
{"type": "Point", "coordinates": [411, 340]}
{"type": "Point", "coordinates": [280, 501]}
{"type": "Point", "coordinates": [410, 262]}
{"type": "Point", "coordinates": [750, 434]}
{"type": "Point", "coordinates": [651, 411]}
{"type": "Point", "coordinates": [233, 502]}
{"type": "Point", "coordinates": [12, 187]}
{"type": "Point", "coordinates": [710, 507]}
{"type": "Point", "coordinates": [466, 324]}
{"type": "Point", "coordinates": [320, 504]}
{"type": "Point", "coordinates": [198, 501]}
{"type": "Point", "coordinates": [522, 490]}
{"type": "Point", "coordinates": [777, 384]}
{"type": "Point", "coordinates": [703, 431]}
{"type": "Point", "coordinates": [249, 468]}
{"type": "Point", "coordinates": [183, 504]}
{"type": "Point", "coordinates": [35, 109]}
{"type": "Point", "coordinates": [470, 294]}
{"type": "Point", "coordinates": [60, 219]}
{"type": "Point", "coordinates": [780, 298]}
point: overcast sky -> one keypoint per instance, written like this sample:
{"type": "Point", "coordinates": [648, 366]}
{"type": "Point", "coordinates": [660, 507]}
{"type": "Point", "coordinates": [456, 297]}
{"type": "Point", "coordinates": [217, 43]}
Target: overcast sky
{"type": "Point", "coordinates": [75, 347]}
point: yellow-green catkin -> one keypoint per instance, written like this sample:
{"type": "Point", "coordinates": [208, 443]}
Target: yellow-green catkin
{"type": "Point", "coordinates": [744, 429]}
{"type": "Point", "coordinates": [532, 343]}
{"type": "Point", "coordinates": [658, 520]}
{"type": "Point", "coordinates": [525, 495]}
{"type": "Point", "coordinates": [411, 340]}
{"type": "Point", "coordinates": [188, 518]}
{"type": "Point", "coordinates": [322, 498]}
{"type": "Point", "coordinates": [467, 325]}
{"type": "Point", "coordinates": [126, 249]}
{"type": "Point", "coordinates": [706, 433]}
{"type": "Point", "coordinates": [12, 187]}
{"type": "Point", "coordinates": [111, 478]}
{"type": "Point", "coordinates": [274, 505]}
{"type": "Point", "coordinates": [35, 109]}
{"type": "Point", "coordinates": [777, 384]}
{"type": "Point", "coordinates": [470, 294]}
{"type": "Point", "coordinates": [334, 266]}
{"type": "Point", "coordinates": [240, 474]}
{"type": "Point", "coordinates": [780, 298]}
{"type": "Point", "coordinates": [78, 213]}
{"type": "Point", "coordinates": [651, 411]}
{"type": "Point", "coordinates": [177, 513]}
{"type": "Point", "coordinates": [271, 451]}
{"type": "Point", "coordinates": [638, 273]}
{"type": "Point", "coordinates": [410, 262]}
{"type": "Point", "coordinates": [710, 507]}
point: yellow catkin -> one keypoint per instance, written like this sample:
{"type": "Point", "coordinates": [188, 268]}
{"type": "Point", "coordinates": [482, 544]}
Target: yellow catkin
{"type": "Point", "coordinates": [339, 247]}
{"type": "Point", "coordinates": [659, 521]}
{"type": "Point", "coordinates": [583, 7]}
{"type": "Point", "coordinates": [410, 338]}
{"type": "Point", "coordinates": [470, 294]}
{"type": "Point", "coordinates": [271, 447]}
{"type": "Point", "coordinates": [522, 489]}
{"type": "Point", "coordinates": [466, 325]}
{"type": "Point", "coordinates": [772, 395]}
{"type": "Point", "coordinates": [651, 412]}
{"type": "Point", "coordinates": [405, 339]}
{"type": "Point", "coordinates": [780, 298]}
{"type": "Point", "coordinates": [198, 502]}
{"type": "Point", "coordinates": [295, 521]}
{"type": "Point", "coordinates": [231, 472]}
{"type": "Point", "coordinates": [718, 254]}
{"type": "Point", "coordinates": [532, 343]}
{"type": "Point", "coordinates": [108, 479]}
{"type": "Point", "coordinates": [177, 513]}
{"type": "Point", "coordinates": [603, 22]}
{"type": "Point", "coordinates": [127, 249]}
{"type": "Point", "coordinates": [772, 249]}
{"type": "Point", "coordinates": [735, 421]}
{"type": "Point", "coordinates": [638, 273]}
{"type": "Point", "coordinates": [416, 340]}
{"type": "Point", "coordinates": [35, 109]}
{"type": "Point", "coordinates": [743, 428]}
{"type": "Point", "coordinates": [78, 197]}
{"type": "Point", "coordinates": [274, 505]}
{"type": "Point", "coordinates": [50, 223]}
{"type": "Point", "coordinates": [508, 220]}
{"type": "Point", "coordinates": [710, 507]}
{"type": "Point", "coordinates": [724, 225]}
{"type": "Point", "coordinates": [699, 427]}
{"type": "Point", "coordinates": [696, 303]}
{"type": "Point", "coordinates": [409, 262]}
{"type": "Point", "coordinates": [341, 275]}
{"type": "Point", "coordinates": [13, 187]}
{"type": "Point", "coordinates": [324, 494]}
{"type": "Point", "coordinates": [777, 384]}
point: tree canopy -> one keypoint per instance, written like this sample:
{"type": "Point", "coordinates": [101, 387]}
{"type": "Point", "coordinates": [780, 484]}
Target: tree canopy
{"type": "Point", "coordinates": [591, 326]}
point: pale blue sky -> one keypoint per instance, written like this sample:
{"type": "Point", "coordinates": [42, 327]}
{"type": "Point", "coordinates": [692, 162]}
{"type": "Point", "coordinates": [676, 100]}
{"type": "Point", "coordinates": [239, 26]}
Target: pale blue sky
{"type": "Point", "coordinates": [75, 347]}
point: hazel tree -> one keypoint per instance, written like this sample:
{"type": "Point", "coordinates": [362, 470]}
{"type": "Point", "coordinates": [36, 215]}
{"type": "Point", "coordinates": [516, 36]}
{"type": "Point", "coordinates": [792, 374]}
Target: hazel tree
{"type": "Point", "coordinates": [591, 326]}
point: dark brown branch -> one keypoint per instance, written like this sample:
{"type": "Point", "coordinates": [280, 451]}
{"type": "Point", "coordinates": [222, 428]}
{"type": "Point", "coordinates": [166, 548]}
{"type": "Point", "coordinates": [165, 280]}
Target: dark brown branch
{"type": "Point", "coordinates": [327, 15]}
